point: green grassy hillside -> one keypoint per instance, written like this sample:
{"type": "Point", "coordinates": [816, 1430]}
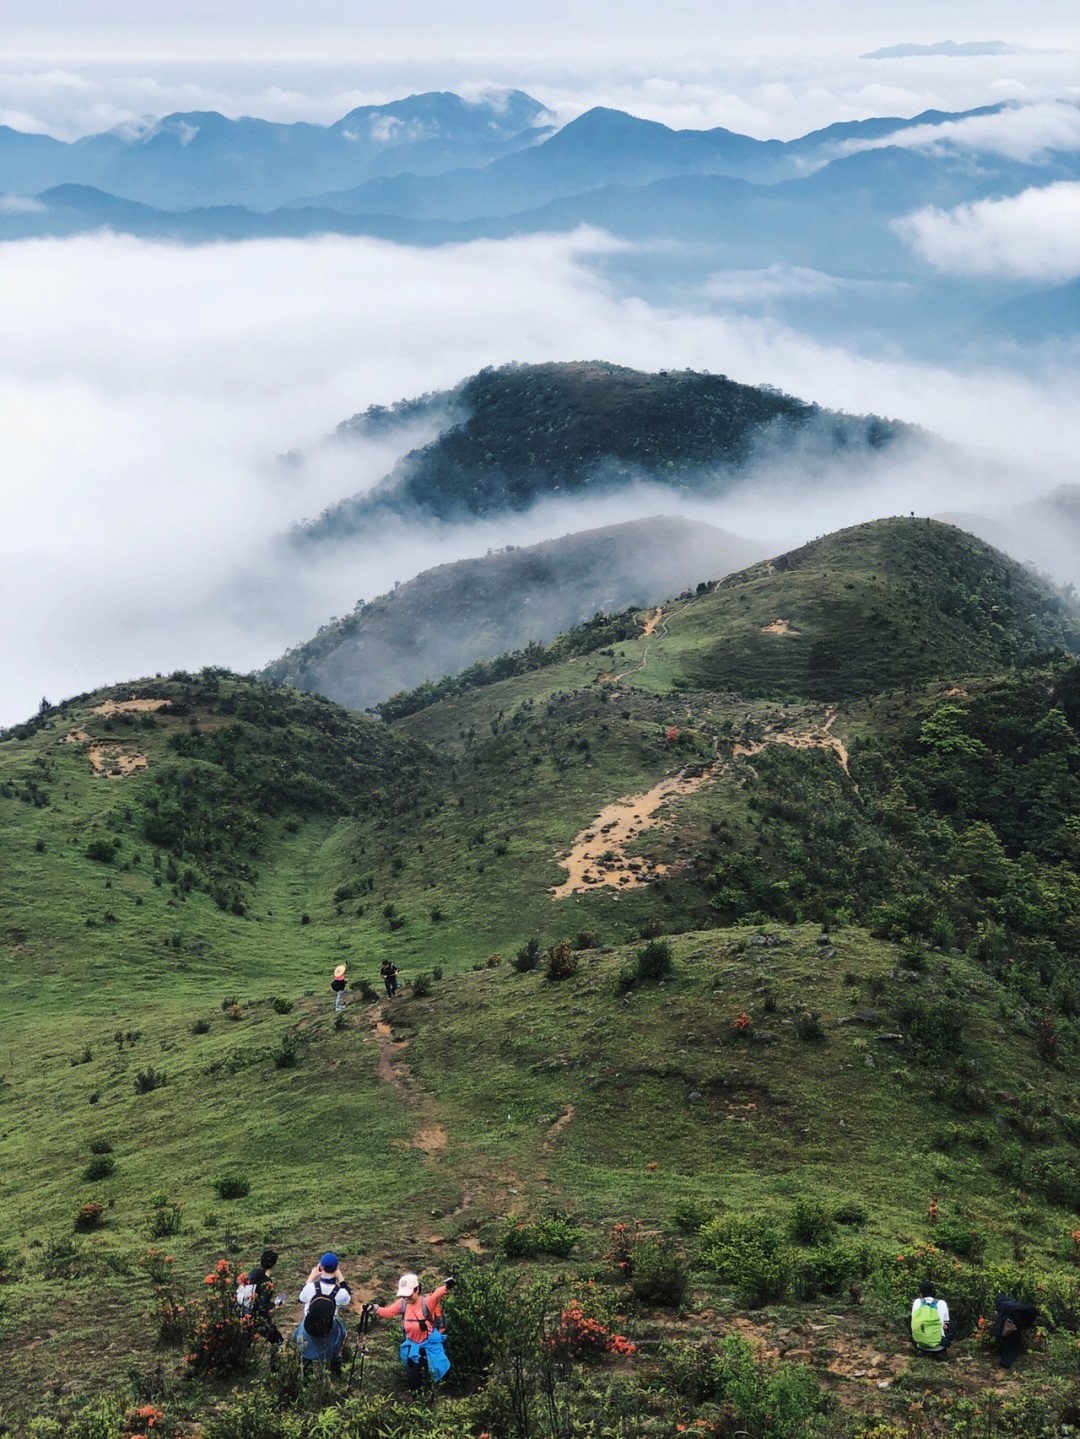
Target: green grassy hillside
{"type": "Point", "coordinates": [810, 1019]}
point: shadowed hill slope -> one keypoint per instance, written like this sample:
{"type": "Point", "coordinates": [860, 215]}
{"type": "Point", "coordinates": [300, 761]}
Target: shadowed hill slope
{"type": "Point", "coordinates": [450, 617]}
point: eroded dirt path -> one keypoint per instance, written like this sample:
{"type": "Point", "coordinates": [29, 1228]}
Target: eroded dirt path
{"type": "Point", "coordinates": [598, 854]}
{"type": "Point", "coordinates": [132, 706]}
{"type": "Point", "coordinates": [821, 738]}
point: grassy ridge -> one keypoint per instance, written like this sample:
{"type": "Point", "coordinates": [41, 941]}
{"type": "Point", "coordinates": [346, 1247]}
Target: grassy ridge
{"type": "Point", "coordinates": [893, 945]}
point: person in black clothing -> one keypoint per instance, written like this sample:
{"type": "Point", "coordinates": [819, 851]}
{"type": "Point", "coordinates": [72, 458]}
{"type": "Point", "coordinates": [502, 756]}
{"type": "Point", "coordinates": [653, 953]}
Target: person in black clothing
{"type": "Point", "coordinates": [256, 1298]}
{"type": "Point", "coordinates": [388, 971]}
{"type": "Point", "coordinates": [1011, 1318]}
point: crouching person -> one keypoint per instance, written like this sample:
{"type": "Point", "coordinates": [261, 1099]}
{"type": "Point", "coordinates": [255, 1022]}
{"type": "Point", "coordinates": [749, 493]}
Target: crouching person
{"type": "Point", "coordinates": [320, 1335]}
{"type": "Point", "coordinates": [422, 1350]}
{"type": "Point", "coordinates": [931, 1327]}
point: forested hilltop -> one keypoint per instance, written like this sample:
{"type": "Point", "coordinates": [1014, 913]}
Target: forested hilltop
{"type": "Point", "coordinates": [523, 432]}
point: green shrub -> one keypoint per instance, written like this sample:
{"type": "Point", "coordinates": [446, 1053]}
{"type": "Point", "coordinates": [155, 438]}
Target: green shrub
{"type": "Point", "coordinates": [476, 1310]}
{"type": "Point", "coordinates": [201, 1026]}
{"type": "Point", "coordinates": [562, 963]}
{"type": "Point", "coordinates": [285, 1057]}
{"type": "Point", "coordinates": [421, 985]}
{"type": "Point", "coordinates": [850, 1213]}
{"type": "Point", "coordinates": [233, 1185]}
{"type": "Point", "coordinates": [100, 1146]}
{"type": "Point", "coordinates": [164, 1216]}
{"type": "Point", "coordinates": [100, 1167]}
{"type": "Point", "coordinates": [528, 956]}
{"type": "Point", "coordinates": [147, 1080]}
{"type": "Point", "coordinates": [282, 1006]}
{"type": "Point", "coordinates": [809, 1028]}
{"type": "Point", "coordinates": [746, 1251]}
{"type": "Point", "coordinates": [959, 1237]}
{"type": "Point", "coordinates": [551, 1234]}
{"type": "Point", "coordinates": [103, 850]}
{"type": "Point", "coordinates": [366, 990]}
{"type": "Point", "coordinates": [90, 1216]}
{"type": "Point", "coordinates": [659, 1273]}
{"type": "Point", "coordinates": [809, 1223]}
{"type": "Point", "coordinates": [689, 1216]}
{"type": "Point", "coordinates": [653, 960]}
{"type": "Point", "coordinates": [587, 939]}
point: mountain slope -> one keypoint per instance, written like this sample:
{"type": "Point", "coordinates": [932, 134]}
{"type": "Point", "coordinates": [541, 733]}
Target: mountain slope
{"type": "Point", "coordinates": [448, 618]}
{"type": "Point", "coordinates": [528, 431]}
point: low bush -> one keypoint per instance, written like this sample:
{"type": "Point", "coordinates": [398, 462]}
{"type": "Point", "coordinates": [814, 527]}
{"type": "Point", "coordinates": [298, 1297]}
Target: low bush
{"type": "Point", "coordinates": [103, 850]}
{"type": "Point", "coordinates": [850, 1213]}
{"type": "Point", "coordinates": [165, 1216]}
{"type": "Point", "coordinates": [653, 960]}
{"type": "Point", "coordinates": [233, 1185]}
{"type": "Point", "coordinates": [147, 1080]}
{"type": "Point", "coordinates": [100, 1146]}
{"type": "Point", "coordinates": [421, 985]}
{"type": "Point", "coordinates": [476, 1311]}
{"type": "Point", "coordinates": [285, 1057]}
{"type": "Point", "coordinates": [90, 1216]}
{"type": "Point", "coordinates": [689, 1216]}
{"type": "Point", "coordinates": [809, 1223]}
{"type": "Point", "coordinates": [959, 1237]}
{"type": "Point", "coordinates": [809, 1028]}
{"type": "Point", "coordinates": [366, 990]}
{"type": "Point", "coordinates": [220, 1341]}
{"type": "Point", "coordinates": [551, 1234]}
{"type": "Point", "coordinates": [282, 1006]}
{"type": "Point", "coordinates": [747, 1252]}
{"type": "Point", "coordinates": [562, 963]}
{"type": "Point", "coordinates": [528, 956]}
{"type": "Point", "coordinates": [659, 1272]}
{"type": "Point", "coordinates": [100, 1167]}
{"type": "Point", "coordinates": [587, 939]}
{"type": "Point", "coordinates": [201, 1026]}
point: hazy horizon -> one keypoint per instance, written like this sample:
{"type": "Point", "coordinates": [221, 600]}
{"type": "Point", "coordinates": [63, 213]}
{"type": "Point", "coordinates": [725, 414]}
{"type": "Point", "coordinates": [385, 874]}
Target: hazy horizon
{"type": "Point", "coordinates": [149, 388]}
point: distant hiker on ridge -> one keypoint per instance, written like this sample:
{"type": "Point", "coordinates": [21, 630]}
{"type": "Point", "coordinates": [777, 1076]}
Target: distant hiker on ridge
{"type": "Point", "coordinates": [337, 984]}
{"type": "Point", "coordinates": [320, 1335]}
{"type": "Point", "coordinates": [388, 970]}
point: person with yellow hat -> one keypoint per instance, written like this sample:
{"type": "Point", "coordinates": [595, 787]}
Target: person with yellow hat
{"type": "Point", "coordinates": [337, 984]}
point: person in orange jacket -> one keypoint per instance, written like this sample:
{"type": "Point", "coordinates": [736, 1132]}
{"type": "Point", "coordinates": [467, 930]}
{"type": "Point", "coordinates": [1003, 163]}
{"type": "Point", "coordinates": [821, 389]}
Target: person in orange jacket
{"type": "Point", "coordinates": [422, 1328]}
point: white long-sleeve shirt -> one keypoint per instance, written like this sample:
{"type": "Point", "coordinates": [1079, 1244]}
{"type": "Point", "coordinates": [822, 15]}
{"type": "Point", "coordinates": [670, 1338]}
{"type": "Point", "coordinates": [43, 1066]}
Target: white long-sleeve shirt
{"type": "Point", "coordinates": [322, 1285]}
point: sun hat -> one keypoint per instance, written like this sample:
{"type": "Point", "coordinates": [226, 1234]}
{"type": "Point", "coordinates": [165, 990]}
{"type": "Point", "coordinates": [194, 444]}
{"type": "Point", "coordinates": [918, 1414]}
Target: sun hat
{"type": "Point", "coordinates": [407, 1285]}
{"type": "Point", "coordinates": [329, 1261]}
{"type": "Point", "coordinates": [339, 971]}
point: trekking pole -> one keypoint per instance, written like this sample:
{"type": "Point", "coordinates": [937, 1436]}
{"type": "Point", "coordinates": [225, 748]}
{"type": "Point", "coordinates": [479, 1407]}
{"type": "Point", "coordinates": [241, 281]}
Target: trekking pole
{"type": "Point", "coordinates": [361, 1347]}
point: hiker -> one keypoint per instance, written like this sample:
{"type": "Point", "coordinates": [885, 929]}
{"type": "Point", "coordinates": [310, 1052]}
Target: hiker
{"type": "Point", "coordinates": [931, 1328]}
{"type": "Point", "coordinates": [320, 1335]}
{"type": "Point", "coordinates": [422, 1350]}
{"type": "Point", "coordinates": [337, 984]}
{"type": "Point", "coordinates": [255, 1296]}
{"type": "Point", "coordinates": [1011, 1318]}
{"type": "Point", "coordinates": [388, 970]}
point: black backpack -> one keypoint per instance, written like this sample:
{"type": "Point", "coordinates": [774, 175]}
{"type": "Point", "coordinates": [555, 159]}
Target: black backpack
{"type": "Point", "coordinates": [322, 1311]}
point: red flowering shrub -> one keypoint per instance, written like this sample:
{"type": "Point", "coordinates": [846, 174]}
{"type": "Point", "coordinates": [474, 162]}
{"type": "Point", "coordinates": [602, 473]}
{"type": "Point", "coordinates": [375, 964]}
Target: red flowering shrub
{"type": "Point", "coordinates": [220, 1340]}
{"type": "Point", "coordinates": [672, 735]}
{"type": "Point", "coordinates": [621, 1254]}
{"type": "Point", "coordinates": [742, 1023]}
{"type": "Point", "coordinates": [145, 1418]}
{"type": "Point", "coordinates": [578, 1335]}
{"type": "Point", "coordinates": [89, 1217]}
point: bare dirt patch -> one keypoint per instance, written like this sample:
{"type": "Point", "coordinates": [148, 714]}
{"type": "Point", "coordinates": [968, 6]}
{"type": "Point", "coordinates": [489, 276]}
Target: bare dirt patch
{"type": "Point", "coordinates": [598, 854]}
{"type": "Point", "coordinates": [430, 1139]}
{"type": "Point", "coordinates": [106, 759]}
{"type": "Point", "coordinates": [132, 706]}
{"type": "Point", "coordinates": [779, 627]}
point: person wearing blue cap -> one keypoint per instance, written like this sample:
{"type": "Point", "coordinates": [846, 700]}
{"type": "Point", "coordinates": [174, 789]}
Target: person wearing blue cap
{"type": "Point", "coordinates": [320, 1335]}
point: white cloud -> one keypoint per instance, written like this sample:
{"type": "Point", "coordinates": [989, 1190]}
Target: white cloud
{"type": "Point", "coordinates": [20, 205]}
{"type": "Point", "coordinates": [148, 390]}
{"type": "Point", "coordinates": [1020, 132]}
{"type": "Point", "coordinates": [1031, 236]}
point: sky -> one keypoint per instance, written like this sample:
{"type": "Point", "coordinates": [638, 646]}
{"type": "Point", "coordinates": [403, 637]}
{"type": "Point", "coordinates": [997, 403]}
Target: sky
{"type": "Point", "coordinates": [148, 391]}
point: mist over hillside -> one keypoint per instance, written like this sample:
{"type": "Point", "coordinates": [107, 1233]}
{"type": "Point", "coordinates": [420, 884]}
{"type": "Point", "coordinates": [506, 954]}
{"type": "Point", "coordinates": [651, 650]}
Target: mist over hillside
{"type": "Point", "coordinates": [450, 617]}
{"type": "Point", "coordinates": [524, 433]}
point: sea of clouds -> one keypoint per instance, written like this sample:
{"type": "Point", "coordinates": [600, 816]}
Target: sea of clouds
{"type": "Point", "coordinates": [150, 391]}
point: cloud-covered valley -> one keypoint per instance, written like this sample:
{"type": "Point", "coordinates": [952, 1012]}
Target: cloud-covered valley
{"type": "Point", "coordinates": [150, 392]}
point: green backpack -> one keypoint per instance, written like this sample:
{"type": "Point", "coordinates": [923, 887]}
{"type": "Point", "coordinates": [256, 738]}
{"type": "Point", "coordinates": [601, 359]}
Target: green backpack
{"type": "Point", "coordinates": [927, 1330]}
